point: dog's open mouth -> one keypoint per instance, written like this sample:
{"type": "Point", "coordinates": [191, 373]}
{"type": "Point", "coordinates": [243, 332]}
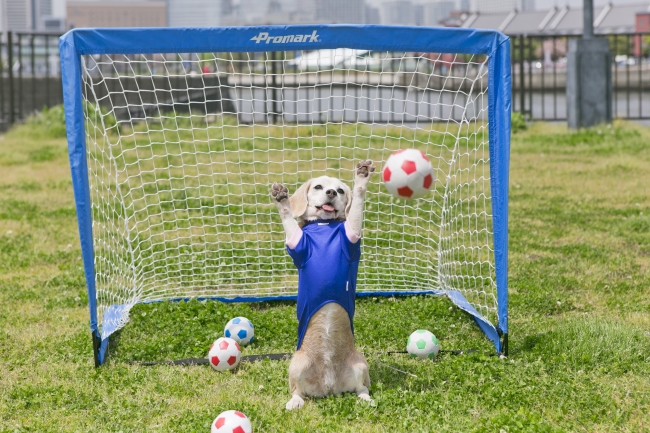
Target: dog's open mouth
{"type": "Point", "coordinates": [326, 207]}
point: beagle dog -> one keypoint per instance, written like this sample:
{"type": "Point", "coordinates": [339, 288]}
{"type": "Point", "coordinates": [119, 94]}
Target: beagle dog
{"type": "Point", "coordinates": [325, 246]}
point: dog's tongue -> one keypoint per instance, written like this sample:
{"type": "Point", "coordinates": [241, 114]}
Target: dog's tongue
{"type": "Point", "coordinates": [328, 207]}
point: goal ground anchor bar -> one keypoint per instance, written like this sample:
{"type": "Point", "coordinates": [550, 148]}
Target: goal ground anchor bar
{"type": "Point", "coordinates": [97, 343]}
{"type": "Point", "coordinates": [275, 357]}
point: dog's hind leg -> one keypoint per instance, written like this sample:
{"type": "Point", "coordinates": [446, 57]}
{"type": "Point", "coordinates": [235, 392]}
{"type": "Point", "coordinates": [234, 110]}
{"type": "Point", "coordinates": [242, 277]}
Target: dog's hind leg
{"type": "Point", "coordinates": [300, 363]}
{"type": "Point", "coordinates": [360, 370]}
{"type": "Point", "coordinates": [357, 378]}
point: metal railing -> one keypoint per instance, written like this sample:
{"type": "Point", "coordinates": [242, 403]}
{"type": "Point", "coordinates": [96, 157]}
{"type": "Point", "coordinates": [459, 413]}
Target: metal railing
{"type": "Point", "coordinates": [539, 75]}
{"type": "Point", "coordinates": [30, 75]}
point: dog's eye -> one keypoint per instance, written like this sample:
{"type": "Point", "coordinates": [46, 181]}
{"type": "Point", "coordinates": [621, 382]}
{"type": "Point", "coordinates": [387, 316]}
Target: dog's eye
{"type": "Point", "coordinates": [318, 187]}
{"type": "Point", "coordinates": [340, 191]}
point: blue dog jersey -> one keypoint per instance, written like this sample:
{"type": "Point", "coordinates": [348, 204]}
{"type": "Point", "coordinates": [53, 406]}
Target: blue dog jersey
{"type": "Point", "coordinates": [327, 262]}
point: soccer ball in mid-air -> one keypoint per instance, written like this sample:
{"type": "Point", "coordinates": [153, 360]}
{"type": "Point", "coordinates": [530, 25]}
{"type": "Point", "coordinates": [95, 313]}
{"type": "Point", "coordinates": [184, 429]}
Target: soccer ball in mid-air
{"type": "Point", "coordinates": [231, 421]}
{"type": "Point", "coordinates": [422, 344]}
{"type": "Point", "coordinates": [408, 174]}
{"type": "Point", "coordinates": [241, 330]}
{"type": "Point", "coordinates": [224, 354]}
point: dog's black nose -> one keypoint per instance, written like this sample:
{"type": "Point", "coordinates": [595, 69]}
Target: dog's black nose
{"type": "Point", "coordinates": [331, 193]}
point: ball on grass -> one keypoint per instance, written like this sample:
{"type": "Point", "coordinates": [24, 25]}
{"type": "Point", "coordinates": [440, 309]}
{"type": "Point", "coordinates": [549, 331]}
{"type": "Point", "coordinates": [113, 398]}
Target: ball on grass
{"type": "Point", "coordinates": [241, 330]}
{"type": "Point", "coordinates": [231, 421]}
{"type": "Point", "coordinates": [224, 354]}
{"type": "Point", "coordinates": [422, 344]}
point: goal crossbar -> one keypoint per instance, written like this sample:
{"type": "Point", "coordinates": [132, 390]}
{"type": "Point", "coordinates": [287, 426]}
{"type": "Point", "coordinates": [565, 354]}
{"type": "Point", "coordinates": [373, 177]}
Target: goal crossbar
{"type": "Point", "coordinates": [494, 45]}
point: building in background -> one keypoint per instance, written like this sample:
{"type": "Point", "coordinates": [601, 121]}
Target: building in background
{"type": "Point", "coordinates": [498, 6]}
{"type": "Point", "coordinates": [372, 15]}
{"type": "Point", "coordinates": [418, 12]}
{"type": "Point", "coordinates": [398, 13]}
{"type": "Point", "coordinates": [251, 12]}
{"type": "Point", "coordinates": [304, 11]}
{"type": "Point", "coordinates": [508, 16]}
{"type": "Point", "coordinates": [642, 22]}
{"type": "Point", "coordinates": [641, 25]}
{"type": "Point", "coordinates": [256, 12]}
{"type": "Point", "coordinates": [436, 12]}
{"type": "Point", "coordinates": [341, 11]}
{"type": "Point", "coordinates": [527, 5]}
{"type": "Point", "coordinates": [227, 7]}
{"type": "Point", "coordinates": [280, 12]}
{"type": "Point", "coordinates": [455, 19]}
{"type": "Point", "coordinates": [116, 14]}
{"type": "Point", "coordinates": [53, 25]}
{"type": "Point", "coordinates": [24, 15]}
{"type": "Point", "coordinates": [608, 19]}
{"type": "Point", "coordinates": [194, 13]}
{"type": "Point", "coordinates": [41, 10]}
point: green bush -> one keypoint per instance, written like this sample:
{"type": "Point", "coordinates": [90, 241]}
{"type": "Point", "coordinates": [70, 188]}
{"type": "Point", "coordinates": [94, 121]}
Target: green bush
{"type": "Point", "coordinates": [518, 122]}
{"type": "Point", "coordinates": [50, 123]}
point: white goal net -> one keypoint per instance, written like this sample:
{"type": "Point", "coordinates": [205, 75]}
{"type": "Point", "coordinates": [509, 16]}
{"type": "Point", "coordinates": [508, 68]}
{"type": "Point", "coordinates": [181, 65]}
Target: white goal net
{"type": "Point", "coordinates": [183, 148]}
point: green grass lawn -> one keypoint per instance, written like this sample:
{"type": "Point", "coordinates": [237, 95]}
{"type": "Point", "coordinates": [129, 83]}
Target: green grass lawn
{"type": "Point", "coordinates": [579, 316]}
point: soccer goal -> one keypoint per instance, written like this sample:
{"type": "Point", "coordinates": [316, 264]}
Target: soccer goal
{"type": "Point", "coordinates": [176, 135]}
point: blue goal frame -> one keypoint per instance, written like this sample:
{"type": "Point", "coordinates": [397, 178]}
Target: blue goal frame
{"type": "Point", "coordinates": [494, 44]}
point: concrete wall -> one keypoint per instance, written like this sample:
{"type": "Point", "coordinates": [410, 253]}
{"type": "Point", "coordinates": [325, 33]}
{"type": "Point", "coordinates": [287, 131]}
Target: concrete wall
{"type": "Point", "coordinates": [43, 92]}
{"type": "Point", "coordinates": [636, 77]}
{"type": "Point", "coordinates": [135, 97]}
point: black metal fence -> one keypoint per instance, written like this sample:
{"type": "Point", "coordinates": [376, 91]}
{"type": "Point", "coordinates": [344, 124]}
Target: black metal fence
{"type": "Point", "coordinates": [30, 75]}
{"type": "Point", "coordinates": [539, 75]}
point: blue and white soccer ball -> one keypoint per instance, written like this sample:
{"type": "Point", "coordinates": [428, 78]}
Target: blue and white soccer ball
{"type": "Point", "coordinates": [422, 344]}
{"type": "Point", "coordinates": [241, 330]}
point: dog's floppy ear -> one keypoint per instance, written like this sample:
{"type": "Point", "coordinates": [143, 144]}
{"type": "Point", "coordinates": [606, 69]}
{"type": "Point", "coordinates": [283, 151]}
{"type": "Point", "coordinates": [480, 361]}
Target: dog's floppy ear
{"type": "Point", "coordinates": [348, 195]}
{"type": "Point", "coordinates": [298, 201]}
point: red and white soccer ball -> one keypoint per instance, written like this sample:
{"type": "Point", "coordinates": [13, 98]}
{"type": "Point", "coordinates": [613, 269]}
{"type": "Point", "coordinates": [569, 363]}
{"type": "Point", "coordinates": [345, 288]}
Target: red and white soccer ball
{"type": "Point", "coordinates": [231, 421]}
{"type": "Point", "coordinates": [408, 174]}
{"type": "Point", "coordinates": [224, 354]}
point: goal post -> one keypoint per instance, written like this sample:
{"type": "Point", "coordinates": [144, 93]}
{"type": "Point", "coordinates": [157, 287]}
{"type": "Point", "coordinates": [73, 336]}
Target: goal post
{"type": "Point", "coordinates": [175, 135]}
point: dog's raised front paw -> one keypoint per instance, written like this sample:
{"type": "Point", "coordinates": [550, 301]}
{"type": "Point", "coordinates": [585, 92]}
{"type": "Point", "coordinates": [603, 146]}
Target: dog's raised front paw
{"type": "Point", "coordinates": [365, 168]}
{"type": "Point", "coordinates": [279, 192]}
{"type": "Point", "coordinates": [296, 402]}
